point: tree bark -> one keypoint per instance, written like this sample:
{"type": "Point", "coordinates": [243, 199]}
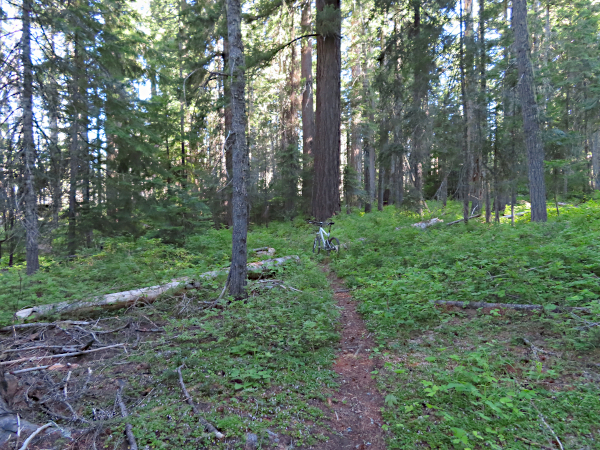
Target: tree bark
{"type": "Point", "coordinates": [326, 187]}
{"type": "Point", "coordinates": [55, 153]}
{"type": "Point", "coordinates": [531, 127]}
{"type": "Point", "coordinates": [237, 274]}
{"type": "Point", "coordinates": [30, 198]}
{"type": "Point", "coordinates": [596, 160]}
{"type": "Point", "coordinates": [308, 113]}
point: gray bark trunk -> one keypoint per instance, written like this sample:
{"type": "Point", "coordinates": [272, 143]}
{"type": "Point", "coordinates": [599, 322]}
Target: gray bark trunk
{"type": "Point", "coordinates": [237, 274]}
{"type": "Point", "coordinates": [30, 198]}
{"type": "Point", "coordinates": [531, 127]}
{"type": "Point", "coordinates": [596, 160]}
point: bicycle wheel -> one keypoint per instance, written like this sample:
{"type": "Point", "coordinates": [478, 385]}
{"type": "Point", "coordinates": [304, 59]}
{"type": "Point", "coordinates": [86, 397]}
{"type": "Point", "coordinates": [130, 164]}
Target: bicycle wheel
{"type": "Point", "coordinates": [317, 246]}
{"type": "Point", "coordinates": [334, 245]}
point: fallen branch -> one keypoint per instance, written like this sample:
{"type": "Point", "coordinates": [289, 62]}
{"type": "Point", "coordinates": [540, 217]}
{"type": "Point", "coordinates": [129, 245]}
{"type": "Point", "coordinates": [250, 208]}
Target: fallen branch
{"type": "Point", "coordinates": [61, 355]}
{"type": "Point", "coordinates": [552, 431]}
{"type": "Point", "coordinates": [477, 305]}
{"type": "Point", "coordinates": [128, 428]}
{"type": "Point", "coordinates": [21, 326]}
{"type": "Point", "coordinates": [535, 350]}
{"type": "Point", "coordinates": [207, 426]}
{"type": "Point", "coordinates": [462, 220]}
{"type": "Point", "coordinates": [34, 434]}
{"type": "Point", "coordinates": [146, 295]}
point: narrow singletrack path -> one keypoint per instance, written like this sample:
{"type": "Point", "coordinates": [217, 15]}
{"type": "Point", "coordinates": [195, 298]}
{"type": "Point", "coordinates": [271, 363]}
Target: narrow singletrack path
{"type": "Point", "coordinates": [356, 406]}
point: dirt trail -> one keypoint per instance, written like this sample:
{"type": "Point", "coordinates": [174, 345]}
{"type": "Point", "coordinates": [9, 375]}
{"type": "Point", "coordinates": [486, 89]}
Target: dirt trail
{"type": "Point", "coordinates": [357, 404]}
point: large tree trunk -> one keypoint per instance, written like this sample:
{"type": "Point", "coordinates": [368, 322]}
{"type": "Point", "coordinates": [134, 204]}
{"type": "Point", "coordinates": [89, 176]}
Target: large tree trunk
{"type": "Point", "coordinates": [30, 198]}
{"type": "Point", "coordinates": [531, 127]}
{"type": "Point", "coordinates": [308, 113]}
{"type": "Point", "coordinates": [228, 143]}
{"type": "Point", "coordinates": [326, 187]}
{"type": "Point", "coordinates": [237, 274]}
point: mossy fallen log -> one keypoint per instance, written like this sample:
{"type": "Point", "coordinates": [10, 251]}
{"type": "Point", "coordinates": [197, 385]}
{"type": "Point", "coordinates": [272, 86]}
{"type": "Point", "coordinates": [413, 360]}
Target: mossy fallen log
{"type": "Point", "coordinates": [146, 295]}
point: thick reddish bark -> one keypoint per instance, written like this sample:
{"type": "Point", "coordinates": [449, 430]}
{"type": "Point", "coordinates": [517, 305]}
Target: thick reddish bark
{"type": "Point", "coordinates": [308, 113]}
{"type": "Point", "coordinates": [326, 187]}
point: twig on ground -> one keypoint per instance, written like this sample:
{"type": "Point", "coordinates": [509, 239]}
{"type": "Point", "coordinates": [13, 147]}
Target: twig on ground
{"type": "Point", "coordinates": [35, 433]}
{"type": "Point", "coordinates": [207, 426]}
{"type": "Point", "coordinates": [22, 326]}
{"type": "Point", "coordinates": [61, 355]}
{"type": "Point", "coordinates": [551, 430]}
{"type": "Point", "coordinates": [586, 323]}
{"type": "Point", "coordinates": [477, 305]}
{"type": "Point", "coordinates": [65, 389]}
{"type": "Point", "coordinates": [30, 369]}
{"type": "Point", "coordinates": [128, 428]}
{"type": "Point", "coordinates": [535, 349]}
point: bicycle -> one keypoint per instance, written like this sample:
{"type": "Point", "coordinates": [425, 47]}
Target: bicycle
{"type": "Point", "coordinates": [330, 244]}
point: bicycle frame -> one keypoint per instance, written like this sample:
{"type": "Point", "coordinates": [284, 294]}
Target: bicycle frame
{"type": "Point", "coordinates": [322, 233]}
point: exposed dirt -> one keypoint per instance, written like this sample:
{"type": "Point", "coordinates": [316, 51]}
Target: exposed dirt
{"type": "Point", "coordinates": [355, 409]}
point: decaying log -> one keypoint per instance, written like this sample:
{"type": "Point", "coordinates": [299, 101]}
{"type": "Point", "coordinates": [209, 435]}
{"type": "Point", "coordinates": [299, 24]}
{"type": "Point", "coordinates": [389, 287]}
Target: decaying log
{"type": "Point", "coordinates": [477, 305]}
{"type": "Point", "coordinates": [427, 223]}
{"type": "Point", "coordinates": [125, 299]}
{"type": "Point", "coordinates": [188, 398]}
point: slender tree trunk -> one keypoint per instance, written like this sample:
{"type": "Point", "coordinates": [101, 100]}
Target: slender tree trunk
{"type": "Point", "coordinates": [237, 274]}
{"type": "Point", "coordinates": [466, 175]}
{"type": "Point", "coordinates": [54, 147]}
{"type": "Point", "coordinates": [308, 113]}
{"type": "Point", "coordinates": [355, 142]}
{"type": "Point", "coordinates": [369, 146]}
{"type": "Point", "coordinates": [326, 194]}
{"type": "Point", "coordinates": [29, 194]}
{"type": "Point", "coordinates": [420, 86]}
{"type": "Point", "coordinates": [228, 143]}
{"type": "Point", "coordinates": [596, 160]}
{"type": "Point", "coordinates": [74, 148]}
{"type": "Point", "coordinates": [290, 167]}
{"type": "Point", "coordinates": [531, 128]}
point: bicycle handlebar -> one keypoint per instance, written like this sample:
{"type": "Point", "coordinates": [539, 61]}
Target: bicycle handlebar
{"type": "Point", "coordinates": [320, 223]}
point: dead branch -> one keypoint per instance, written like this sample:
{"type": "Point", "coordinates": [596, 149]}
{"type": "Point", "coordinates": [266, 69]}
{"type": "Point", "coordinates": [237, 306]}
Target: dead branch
{"type": "Point", "coordinates": [535, 350]}
{"type": "Point", "coordinates": [128, 428]}
{"type": "Point", "coordinates": [477, 305]}
{"type": "Point", "coordinates": [21, 326]}
{"type": "Point", "coordinates": [207, 426]}
{"type": "Point", "coordinates": [462, 220]}
{"type": "Point", "coordinates": [35, 433]}
{"type": "Point", "coordinates": [61, 355]}
{"type": "Point", "coordinates": [146, 295]}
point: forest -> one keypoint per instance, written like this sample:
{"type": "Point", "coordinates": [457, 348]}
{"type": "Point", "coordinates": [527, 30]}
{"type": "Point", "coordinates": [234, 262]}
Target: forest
{"type": "Point", "coordinates": [165, 166]}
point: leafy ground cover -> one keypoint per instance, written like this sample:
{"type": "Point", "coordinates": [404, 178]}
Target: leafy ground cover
{"type": "Point", "coordinates": [451, 377]}
{"type": "Point", "coordinates": [491, 378]}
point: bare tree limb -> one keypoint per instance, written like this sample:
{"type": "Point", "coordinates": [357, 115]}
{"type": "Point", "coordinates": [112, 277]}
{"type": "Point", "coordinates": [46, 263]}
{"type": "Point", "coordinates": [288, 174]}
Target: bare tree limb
{"type": "Point", "coordinates": [128, 428]}
{"type": "Point", "coordinates": [207, 426]}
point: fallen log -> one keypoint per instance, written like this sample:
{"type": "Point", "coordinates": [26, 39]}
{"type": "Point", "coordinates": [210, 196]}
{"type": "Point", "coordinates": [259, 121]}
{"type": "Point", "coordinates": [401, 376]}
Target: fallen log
{"type": "Point", "coordinates": [462, 220]}
{"type": "Point", "coordinates": [477, 305]}
{"type": "Point", "coordinates": [125, 299]}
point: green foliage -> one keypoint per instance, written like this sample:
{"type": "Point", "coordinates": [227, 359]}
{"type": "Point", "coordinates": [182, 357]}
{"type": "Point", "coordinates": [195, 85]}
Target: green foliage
{"type": "Point", "coordinates": [467, 377]}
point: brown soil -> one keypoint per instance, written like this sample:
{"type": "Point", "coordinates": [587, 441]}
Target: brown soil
{"type": "Point", "coordinates": [355, 409]}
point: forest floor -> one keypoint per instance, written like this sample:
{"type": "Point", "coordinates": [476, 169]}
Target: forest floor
{"type": "Point", "coordinates": [328, 352]}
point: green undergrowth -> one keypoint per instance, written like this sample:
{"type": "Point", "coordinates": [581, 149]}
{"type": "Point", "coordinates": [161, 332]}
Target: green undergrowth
{"type": "Point", "coordinates": [253, 366]}
{"type": "Point", "coordinates": [120, 264]}
{"type": "Point", "coordinates": [465, 379]}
